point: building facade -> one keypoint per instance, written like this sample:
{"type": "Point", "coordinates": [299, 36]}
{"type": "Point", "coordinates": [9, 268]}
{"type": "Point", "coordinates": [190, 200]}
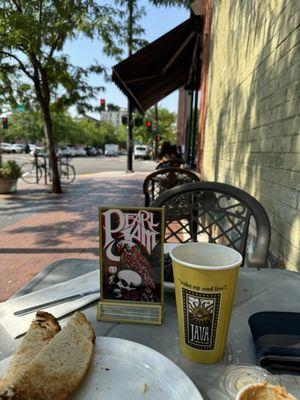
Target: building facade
{"type": "Point", "coordinates": [250, 111]}
{"type": "Point", "coordinates": [114, 117]}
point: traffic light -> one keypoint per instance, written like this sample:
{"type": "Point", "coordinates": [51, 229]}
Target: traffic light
{"type": "Point", "coordinates": [138, 121]}
{"type": "Point", "coordinates": [102, 104]}
{"type": "Point", "coordinates": [5, 123]}
{"type": "Point", "coordinates": [149, 125]}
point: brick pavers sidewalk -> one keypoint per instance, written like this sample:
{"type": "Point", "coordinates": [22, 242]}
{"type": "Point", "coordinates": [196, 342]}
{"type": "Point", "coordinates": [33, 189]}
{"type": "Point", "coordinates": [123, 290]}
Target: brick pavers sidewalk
{"type": "Point", "coordinates": [39, 228]}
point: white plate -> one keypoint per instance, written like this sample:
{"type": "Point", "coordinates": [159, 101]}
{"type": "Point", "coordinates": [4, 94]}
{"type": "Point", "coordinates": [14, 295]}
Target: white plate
{"type": "Point", "coordinates": [121, 369]}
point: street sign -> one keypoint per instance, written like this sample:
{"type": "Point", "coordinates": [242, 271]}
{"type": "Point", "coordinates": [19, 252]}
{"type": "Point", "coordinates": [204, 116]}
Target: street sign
{"type": "Point", "coordinates": [20, 108]}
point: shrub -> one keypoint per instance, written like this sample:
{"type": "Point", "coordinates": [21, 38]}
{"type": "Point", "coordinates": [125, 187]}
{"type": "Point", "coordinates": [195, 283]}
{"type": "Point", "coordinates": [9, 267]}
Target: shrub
{"type": "Point", "coordinates": [10, 169]}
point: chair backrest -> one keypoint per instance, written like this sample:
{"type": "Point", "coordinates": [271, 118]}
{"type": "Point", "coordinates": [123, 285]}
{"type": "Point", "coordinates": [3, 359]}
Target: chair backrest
{"type": "Point", "coordinates": [217, 213]}
{"type": "Point", "coordinates": [169, 164]}
{"type": "Point", "coordinates": [163, 179]}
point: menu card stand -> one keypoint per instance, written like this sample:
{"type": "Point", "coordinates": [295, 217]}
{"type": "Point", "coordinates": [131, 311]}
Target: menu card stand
{"type": "Point", "coordinates": [131, 264]}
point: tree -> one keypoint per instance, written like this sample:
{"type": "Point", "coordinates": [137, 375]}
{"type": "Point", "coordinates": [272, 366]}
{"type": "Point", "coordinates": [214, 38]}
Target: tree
{"type": "Point", "coordinates": [32, 37]}
{"type": "Point", "coordinates": [166, 127]}
{"type": "Point", "coordinates": [129, 37]}
{"type": "Point", "coordinates": [112, 107]}
{"type": "Point", "coordinates": [26, 125]}
{"type": "Point", "coordinates": [121, 134]}
{"type": "Point", "coordinates": [169, 3]}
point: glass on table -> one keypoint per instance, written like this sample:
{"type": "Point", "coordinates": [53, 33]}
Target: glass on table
{"type": "Point", "coordinates": [240, 375]}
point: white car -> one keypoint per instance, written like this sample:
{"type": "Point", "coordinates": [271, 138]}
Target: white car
{"type": "Point", "coordinates": [80, 152]}
{"type": "Point", "coordinates": [17, 148]}
{"type": "Point", "coordinates": [141, 151]}
{"type": "Point", "coordinates": [6, 147]}
{"type": "Point", "coordinates": [65, 151]}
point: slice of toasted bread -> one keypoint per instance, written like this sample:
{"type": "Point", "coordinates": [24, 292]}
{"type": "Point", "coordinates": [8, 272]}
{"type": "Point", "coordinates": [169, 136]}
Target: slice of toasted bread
{"type": "Point", "coordinates": [59, 367]}
{"type": "Point", "coordinates": [42, 329]}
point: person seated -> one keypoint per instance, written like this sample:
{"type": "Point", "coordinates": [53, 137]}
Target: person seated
{"type": "Point", "coordinates": [168, 156]}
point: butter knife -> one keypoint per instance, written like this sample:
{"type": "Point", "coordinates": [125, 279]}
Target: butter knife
{"type": "Point", "coordinates": [52, 303]}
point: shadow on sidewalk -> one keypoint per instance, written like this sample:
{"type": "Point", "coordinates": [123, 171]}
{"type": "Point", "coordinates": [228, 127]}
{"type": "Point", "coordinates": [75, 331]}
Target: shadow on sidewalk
{"type": "Point", "coordinates": [73, 213]}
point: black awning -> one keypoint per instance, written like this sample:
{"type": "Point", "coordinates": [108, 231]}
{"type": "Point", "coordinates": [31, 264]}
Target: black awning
{"type": "Point", "coordinates": [160, 67]}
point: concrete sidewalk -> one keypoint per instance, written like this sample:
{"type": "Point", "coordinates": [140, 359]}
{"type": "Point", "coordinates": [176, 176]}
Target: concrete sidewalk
{"type": "Point", "coordinates": [38, 227]}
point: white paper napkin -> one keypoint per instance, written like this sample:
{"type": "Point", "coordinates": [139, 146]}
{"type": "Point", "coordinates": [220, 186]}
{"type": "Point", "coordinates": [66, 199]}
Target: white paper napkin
{"type": "Point", "coordinates": [17, 325]}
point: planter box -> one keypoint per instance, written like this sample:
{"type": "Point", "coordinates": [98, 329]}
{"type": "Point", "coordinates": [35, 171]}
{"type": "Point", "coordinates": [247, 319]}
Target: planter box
{"type": "Point", "coordinates": [8, 185]}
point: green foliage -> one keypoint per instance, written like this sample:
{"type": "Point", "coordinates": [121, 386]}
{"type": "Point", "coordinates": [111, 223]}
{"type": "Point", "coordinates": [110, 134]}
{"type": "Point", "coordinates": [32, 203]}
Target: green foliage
{"type": "Point", "coordinates": [112, 107]}
{"type": "Point", "coordinates": [32, 37]}
{"type": "Point", "coordinates": [121, 134]}
{"type": "Point", "coordinates": [166, 127]}
{"type": "Point", "coordinates": [129, 35]}
{"type": "Point", "coordinates": [27, 126]}
{"type": "Point", "coordinates": [10, 169]}
{"type": "Point", "coordinates": [169, 3]}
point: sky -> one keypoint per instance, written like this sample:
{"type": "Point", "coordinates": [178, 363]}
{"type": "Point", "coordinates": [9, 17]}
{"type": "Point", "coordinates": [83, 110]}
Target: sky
{"type": "Point", "coordinates": [156, 22]}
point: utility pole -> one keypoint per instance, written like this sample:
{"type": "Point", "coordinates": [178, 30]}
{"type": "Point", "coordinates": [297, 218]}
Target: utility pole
{"type": "Point", "coordinates": [130, 120]}
{"type": "Point", "coordinates": [155, 130]}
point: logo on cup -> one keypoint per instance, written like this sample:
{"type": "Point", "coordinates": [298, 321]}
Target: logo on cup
{"type": "Point", "coordinates": [201, 311]}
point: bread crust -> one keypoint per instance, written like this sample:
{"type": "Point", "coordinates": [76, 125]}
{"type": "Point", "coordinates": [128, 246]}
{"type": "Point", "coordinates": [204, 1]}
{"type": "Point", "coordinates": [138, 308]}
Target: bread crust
{"type": "Point", "coordinates": [42, 329]}
{"type": "Point", "coordinates": [59, 367]}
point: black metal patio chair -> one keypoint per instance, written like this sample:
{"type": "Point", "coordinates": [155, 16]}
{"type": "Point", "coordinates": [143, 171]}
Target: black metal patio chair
{"type": "Point", "coordinates": [163, 179]}
{"type": "Point", "coordinates": [217, 213]}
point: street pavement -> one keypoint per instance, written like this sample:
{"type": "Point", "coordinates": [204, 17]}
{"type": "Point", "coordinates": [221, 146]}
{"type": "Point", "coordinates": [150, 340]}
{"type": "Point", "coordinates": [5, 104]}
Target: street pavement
{"type": "Point", "coordinates": [38, 227]}
{"type": "Point", "coordinates": [86, 165]}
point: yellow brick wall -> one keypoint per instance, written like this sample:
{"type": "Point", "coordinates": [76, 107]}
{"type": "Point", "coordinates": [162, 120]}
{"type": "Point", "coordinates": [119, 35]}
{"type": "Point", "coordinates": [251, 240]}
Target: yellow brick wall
{"type": "Point", "coordinates": [252, 136]}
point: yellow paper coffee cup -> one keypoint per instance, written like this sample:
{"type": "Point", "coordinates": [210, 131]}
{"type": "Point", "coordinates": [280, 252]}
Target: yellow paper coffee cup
{"type": "Point", "coordinates": [205, 277]}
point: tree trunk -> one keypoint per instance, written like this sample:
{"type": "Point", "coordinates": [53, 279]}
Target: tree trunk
{"type": "Point", "coordinates": [56, 185]}
{"type": "Point", "coordinates": [41, 85]}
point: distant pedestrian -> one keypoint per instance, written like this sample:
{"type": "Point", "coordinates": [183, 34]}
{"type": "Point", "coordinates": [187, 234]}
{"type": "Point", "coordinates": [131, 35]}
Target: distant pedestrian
{"type": "Point", "coordinates": [27, 148]}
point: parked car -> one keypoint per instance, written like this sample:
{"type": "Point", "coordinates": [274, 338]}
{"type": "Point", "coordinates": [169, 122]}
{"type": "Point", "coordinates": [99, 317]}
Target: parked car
{"type": "Point", "coordinates": [64, 151]}
{"type": "Point", "coordinates": [6, 147]}
{"type": "Point", "coordinates": [91, 151]}
{"type": "Point", "coordinates": [141, 151]}
{"type": "Point", "coordinates": [17, 148]}
{"type": "Point", "coordinates": [39, 151]}
{"type": "Point", "coordinates": [80, 151]}
{"type": "Point", "coordinates": [111, 150]}
{"type": "Point", "coordinates": [100, 152]}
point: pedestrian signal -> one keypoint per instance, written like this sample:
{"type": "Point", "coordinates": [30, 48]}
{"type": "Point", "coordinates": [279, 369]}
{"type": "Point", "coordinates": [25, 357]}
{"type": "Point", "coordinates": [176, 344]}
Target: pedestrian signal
{"type": "Point", "coordinates": [5, 123]}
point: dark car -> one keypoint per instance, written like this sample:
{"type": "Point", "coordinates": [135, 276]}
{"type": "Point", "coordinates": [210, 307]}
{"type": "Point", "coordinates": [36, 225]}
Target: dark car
{"type": "Point", "coordinates": [91, 151]}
